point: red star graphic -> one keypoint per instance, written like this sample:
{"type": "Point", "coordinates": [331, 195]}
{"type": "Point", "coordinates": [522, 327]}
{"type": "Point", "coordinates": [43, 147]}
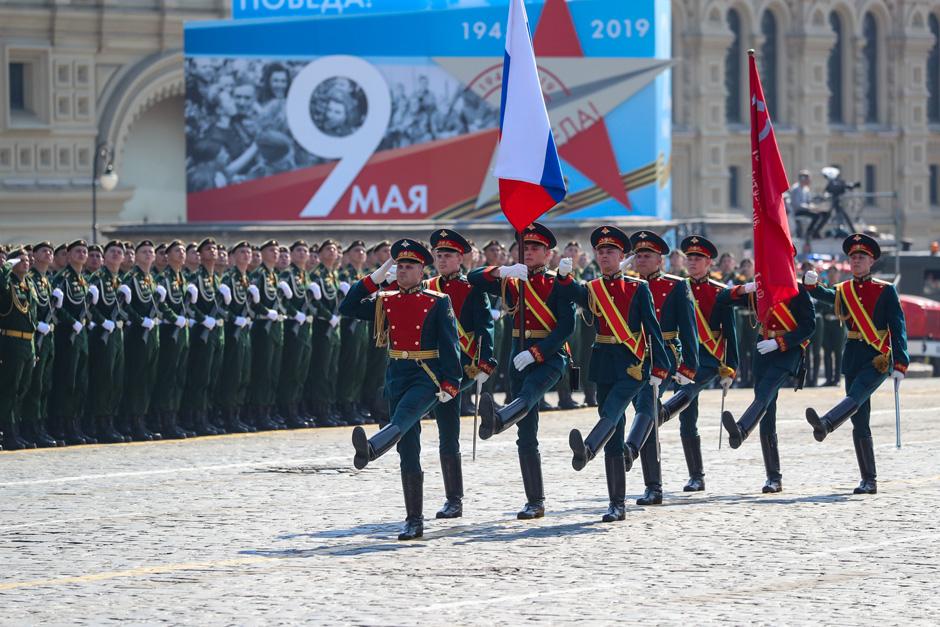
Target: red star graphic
{"type": "Point", "coordinates": [590, 151]}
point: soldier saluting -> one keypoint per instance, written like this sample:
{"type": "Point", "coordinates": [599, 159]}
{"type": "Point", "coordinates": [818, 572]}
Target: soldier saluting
{"type": "Point", "coordinates": [418, 325]}
{"type": "Point", "coordinates": [875, 350]}
{"type": "Point", "coordinates": [18, 321]}
{"type": "Point", "coordinates": [627, 331]}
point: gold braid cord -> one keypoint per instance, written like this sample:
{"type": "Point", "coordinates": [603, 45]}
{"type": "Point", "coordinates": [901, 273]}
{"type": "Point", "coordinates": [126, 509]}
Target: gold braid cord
{"type": "Point", "coordinates": [506, 308]}
{"type": "Point", "coordinates": [380, 332]}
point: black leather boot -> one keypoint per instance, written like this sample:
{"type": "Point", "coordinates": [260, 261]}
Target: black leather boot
{"type": "Point", "coordinates": [616, 488]}
{"type": "Point", "coordinates": [368, 450]}
{"type": "Point", "coordinates": [768, 447]}
{"type": "Point", "coordinates": [73, 435]}
{"type": "Point", "coordinates": [412, 484]}
{"type": "Point", "coordinates": [231, 422]}
{"type": "Point", "coordinates": [584, 450]}
{"type": "Point", "coordinates": [10, 441]}
{"type": "Point", "coordinates": [692, 447]}
{"type": "Point", "coordinates": [80, 433]}
{"type": "Point", "coordinates": [531, 465]}
{"type": "Point", "coordinates": [106, 433]}
{"type": "Point", "coordinates": [495, 420]}
{"type": "Point", "coordinates": [323, 415]}
{"type": "Point", "coordinates": [674, 405]}
{"type": "Point", "coordinates": [466, 403]}
{"type": "Point", "coordinates": [865, 454]}
{"type": "Point", "coordinates": [740, 430]}
{"type": "Point", "coordinates": [350, 416]}
{"type": "Point", "coordinates": [263, 420]}
{"type": "Point", "coordinates": [652, 475]}
{"type": "Point", "coordinates": [565, 400]}
{"type": "Point", "coordinates": [140, 432]}
{"type": "Point", "coordinates": [453, 486]}
{"type": "Point", "coordinates": [170, 429]}
{"type": "Point", "coordinates": [639, 432]}
{"type": "Point", "coordinates": [832, 420]}
{"type": "Point", "coordinates": [590, 395]}
{"type": "Point", "coordinates": [39, 428]}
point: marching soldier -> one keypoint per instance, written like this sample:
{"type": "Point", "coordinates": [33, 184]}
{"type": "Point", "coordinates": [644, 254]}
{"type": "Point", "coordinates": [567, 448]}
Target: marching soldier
{"type": "Point", "coordinates": [174, 342]}
{"type": "Point", "coordinates": [18, 319]}
{"type": "Point", "coordinates": [475, 334]}
{"type": "Point", "coordinates": [106, 345]}
{"type": "Point", "coordinates": [267, 335]}
{"type": "Point", "coordinates": [70, 370]}
{"type": "Point", "coordinates": [297, 332]}
{"type": "Point", "coordinates": [717, 353]}
{"type": "Point", "coordinates": [779, 356]}
{"type": "Point", "coordinates": [540, 353]}
{"type": "Point", "coordinates": [627, 329]}
{"type": "Point", "coordinates": [876, 349]}
{"type": "Point", "coordinates": [35, 403]}
{"type": "Point", "coordinates": [233, 385]}
{"type": "Point", "coordinates": [424, 369]}
{"type": "Point", "coordinates": [142, 342]}
{"type": "Point", "coordinates": [674, 309]}
{"type": "Point", "coordinates": [324, 371]}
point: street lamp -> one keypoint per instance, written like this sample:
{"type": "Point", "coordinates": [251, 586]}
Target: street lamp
{"type": "Point", "coordinates": [108, 181]}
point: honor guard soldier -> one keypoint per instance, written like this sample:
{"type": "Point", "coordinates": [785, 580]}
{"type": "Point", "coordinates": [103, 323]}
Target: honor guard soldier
{"type": "Point", "coordinates": [627, 332]}
{"type": "Point", "coordinates": [35, 404]}
{"type": "Point", "coordinates": [540, 354]}
{"type": "Point", "coordinates": [295, 361]}
{"type": "Point", "coordinates": [233, 385]}
{"type": "Point", "coordinates": [324, 371]}
{"type": "Point", "coordinates": [70, 372]}
{"type": "Point", "coordinates": [174, 342]}
{"type": "Point", "coordinates": [18, 320]}
{"type": "Point", "coordinates": [676, 313]}
{"type": "Point", "coordinates": [418, 325]}
{"type": "Point", "coordinates": [475, 334]}
{"type": "Point", "coordinates": [875, 350]}
{"type": "Point", "coordinates": [717, 353]}
{"type": "Point", "coordinates": [106, 345]}
{"type": "Point", "coordinates": [267, 335]}
{"type": "Point", "coordinates": [778, 358]}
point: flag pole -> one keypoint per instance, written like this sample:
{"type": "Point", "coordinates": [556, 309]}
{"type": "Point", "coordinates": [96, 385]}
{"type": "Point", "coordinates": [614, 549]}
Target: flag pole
{"type": "Point", "coordinates": [520, 253]}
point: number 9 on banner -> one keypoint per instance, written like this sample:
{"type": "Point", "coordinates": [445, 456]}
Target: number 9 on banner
{"type": "Point", "coordinates": [352, 150]}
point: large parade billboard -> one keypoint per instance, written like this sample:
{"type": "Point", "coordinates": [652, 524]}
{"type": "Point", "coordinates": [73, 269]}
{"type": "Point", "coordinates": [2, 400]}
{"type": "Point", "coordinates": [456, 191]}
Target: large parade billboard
{"type": "Point", "coordinates": [389, 109]}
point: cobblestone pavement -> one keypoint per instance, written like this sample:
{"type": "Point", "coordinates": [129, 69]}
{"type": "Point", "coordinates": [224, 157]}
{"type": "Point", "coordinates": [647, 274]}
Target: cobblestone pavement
{"type": "Point", "coordinates": [277, 527]}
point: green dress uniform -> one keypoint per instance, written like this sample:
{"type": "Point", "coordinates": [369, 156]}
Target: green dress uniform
{"type": "Point", "coordinates": [354, 345]}
{"type": "Point", "coordinates": [174, 354]}
{"type": "Point", "coordinates": [106, 352]}
{"type": "Point", "coordinates": [205, 351]}
{"type": "Point", "coordinates": [18, 319]}
{"type": "Point", "coordinates": [70, 369]}
{"type": "Point", "coordinates": [142, 351]}
{"type": "Point", "coordinates": [295, 360]}
{"type": "Point", "coordinates": [323, 373]}
{"type": "Point", "coordinates": [267, 338]}
{"type": "Point", "coordinates": [233, 385]}
{"type": "Point", "coordinates": [36, 401]}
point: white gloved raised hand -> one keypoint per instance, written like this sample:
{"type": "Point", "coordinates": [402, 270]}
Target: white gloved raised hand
{"type": "Point", "coordinates": [11, 263]}
{"type": "Point", "coordinates": [334, 320]}
{"type": "Point", "coordinates": [344, 287]}
{"type": "Point", "coordinates": [725, 383]}
{"type": "Point", "coordinates": [285, 289]}
{"type": "Point", "coordinates": [392, 274]}
{"type": "Point", "coordinates": [180, 321]}
{"type": "Point", "coordinates": [897, 375]}
{"type": "Point", "coordinates": [515, 271]}
{"type": "Point", "coordinates": [481, 377]}
{"type": "Point", "coordinates": [208, 322]}
{"type": "Point", "coordinates": [626, 263]}
{"type": "Point", "coordinates": [299, 317]}
{"type": "Point", "coordinates": [655, 381]}
{"type": "Point", "coordinates": [271, 315]}
{"type": "Point", "coordinates": [523, 359]}
{"type": "Point", "coordinates": [77, 326]}
{"type": "Point", "coordinates": [810, 278]}
{"type": "Point", "coordinates": [108, 325]}
{"type": "Point", "coordinates": [767, 346]}
{"type": "Point", "coordinates": [58, 296]}
{"type": "Point", "coordinates": [255, 294]}
{"type": "Point", "coordinates": [193, 293]}
{"type": "Point", "coordinates": [226, 293]}
{"type": "Point", "coordinates": [564, 266]}
{"type": "Point", "coordinates": [147, 323]}
{"type": "Point", "coordinates": [43, 328]}
{"type": "Point", "coordinates": [378, 277]}
{"type": "Point", "coordinates": [315, 292]}
{"type": "Point", "coordinates": [161, 292]}
{"type": "Point", "coordinates": [750, 287]}
{"type": "Point", "coordinates": [681, 379]}
{"type": "Point", "coordinates": [495, 314]}
{"type": "Point", "coordinates": [240, 321]}
{"type": "Point", "coordinates": [125, 292]}
{"type": "Point", "coordinates": [444, 397]}
{"type": "Point", "coordinates": [93, 292]}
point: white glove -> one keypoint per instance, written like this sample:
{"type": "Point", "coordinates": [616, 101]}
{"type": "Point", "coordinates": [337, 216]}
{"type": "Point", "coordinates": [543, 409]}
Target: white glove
{"type": "Point", "coordinates": [378, 277]}
{"type": "Point", "coordinates": [147, 323]}
{"type": "Point", "coordinates": [334, 321]}
{"type": "Point", "coordinates": [515, 271]}
{"type": "Point", "coordinates": [193, 293]}
{"type": "Point", "coordinates": [161, 292]}
{"type": "Point", "coordinates": [300, 318]}
{"type": "Point", "coordinates": [208, 322]}
{"type": "Point", "coordinates": [655, 381]}
{"type": "Point", "coordinates": [897, 375]}
{"type": "Point", "coordinates": [767, 346]}
{"type": "Point", "coordinates": [191, 322]}
{"type": "Point", "coordinates": [344, 287]}
{"type": "Point", "coordinates": [255, 294]}
{"type": "Point", "coordinates": [444, 397]}
{"type": "Point", "coordinates": [77, 326]}
{"type": "Point", "coordinates": [315, 291]}
{"type": "Point", "coordinates": [481, 377]}
{"type": "Point", "coordinates": [725, 383]}
{"type": "Point", "coordinates": [58, 296]}
{"type": "Point", "coordinates": [180, 321]}
{"type": "Point", "coordinates": [564, 266]}
{"type": "Point", "coordinates": [810, 278]}
{"type": "Point", "coordinates": [93, 292]}
{"type": "Point", "coordinates": [626, 263]}
{"type": "Point", "coordinates": [240, 321]}
{"type": "Point", "coordinates": [126, 293]}
{"type": "Point", "coordinates": [271, 315]}
{"type": "Point", "coordinates": [12, 262]}
{"type": "Point", "coordinates": [750, 287]}
{"type": "Point", "coordinates": [43, 328]}
{"type": "Point", "coordinates": [495, 314]}
{"type": "Point", "coordinates": [92, 325]}
{"type": "Point", "coordinates": [392, 274]}
{"type": "Point", "coordinates": [285, 289]}
{"type": "Point", "coordinates": [523, 359]}
{"type": "Point", "coordinates": [108, 325]}
{"type": "Point", "coordinates": [681, 379]}
{"type": "Point", "coordinates": [226, 293]}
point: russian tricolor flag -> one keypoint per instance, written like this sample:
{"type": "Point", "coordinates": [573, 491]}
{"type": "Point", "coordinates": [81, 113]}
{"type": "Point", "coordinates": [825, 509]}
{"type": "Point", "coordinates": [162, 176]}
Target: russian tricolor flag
{"type": "Point", "coordinates": [527, 165]}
